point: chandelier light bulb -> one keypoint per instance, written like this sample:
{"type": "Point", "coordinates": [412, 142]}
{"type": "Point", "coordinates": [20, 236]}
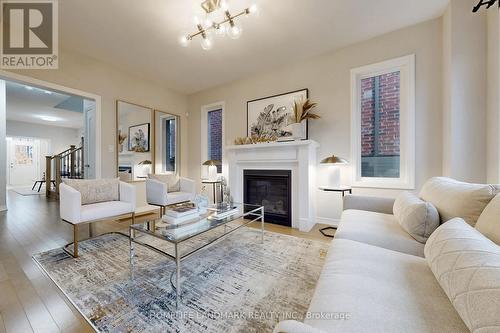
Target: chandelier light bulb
{"type": "Point", "coordinates": [253, 9]}
{"type": "Point", "coordinates": [234, 31]}
{"type": "Point", "coordinates": [224, 5]}
{"type": "Point", "coordinates": [206, 44]}
{"type": "Point", "coordinates": [184, 41]}
{"type": "Point", "coordinates": [220, 30]}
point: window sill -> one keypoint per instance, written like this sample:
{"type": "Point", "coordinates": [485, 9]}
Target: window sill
{"type": "Point", "coordinates": [384, 184]}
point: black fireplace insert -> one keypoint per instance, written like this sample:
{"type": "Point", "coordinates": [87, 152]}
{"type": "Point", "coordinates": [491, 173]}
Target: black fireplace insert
{"type": "Point", "coordinates": [271, 189]}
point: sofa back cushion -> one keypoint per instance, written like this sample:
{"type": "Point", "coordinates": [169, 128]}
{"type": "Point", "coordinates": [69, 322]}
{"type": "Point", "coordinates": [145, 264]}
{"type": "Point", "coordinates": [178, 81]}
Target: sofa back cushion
{"type": "Point", "coordinates": [173, 182]}
{"type": "Point", "coordinates": [416, 217]}
{"type": "Point", "coordinates": [467, 266]}
{"type": "Point", "coordinates": [457, 199]}
{"type": "Point", "coordinates": [96, 190]}
{"type": "Point", "coordinates": [489, 220]}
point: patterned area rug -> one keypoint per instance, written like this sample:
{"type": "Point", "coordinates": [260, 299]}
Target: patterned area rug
{"type": "Point", "coordinates": [236, 285]}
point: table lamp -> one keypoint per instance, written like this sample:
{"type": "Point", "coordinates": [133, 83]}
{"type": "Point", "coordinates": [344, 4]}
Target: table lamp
{"type": "Point", "coordinates": [333, 163]}
{"type": "Point", "coordinates": [146, 167]}
{"type": "Point", "coordinates": [212, 169]}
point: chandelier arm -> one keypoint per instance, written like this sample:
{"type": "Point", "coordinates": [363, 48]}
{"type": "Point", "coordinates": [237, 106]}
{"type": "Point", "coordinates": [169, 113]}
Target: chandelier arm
{"type": "Point", "coordinates": [202, 31]}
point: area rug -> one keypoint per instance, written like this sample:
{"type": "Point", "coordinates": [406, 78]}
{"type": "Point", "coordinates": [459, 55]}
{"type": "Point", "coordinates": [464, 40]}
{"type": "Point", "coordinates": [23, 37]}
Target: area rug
{"type": "Point", "coordinates": [236, 285]}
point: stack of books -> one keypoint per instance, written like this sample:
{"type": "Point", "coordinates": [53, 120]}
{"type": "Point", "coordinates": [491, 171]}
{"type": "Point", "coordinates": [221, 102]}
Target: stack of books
{"type": "Point", "coordinates": [180, 214]}
{"type": "Point", "coordinates": [221, 211]}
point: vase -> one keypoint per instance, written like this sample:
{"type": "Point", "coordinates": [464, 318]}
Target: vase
{"type": "Point", "coordinates": [297, 131]}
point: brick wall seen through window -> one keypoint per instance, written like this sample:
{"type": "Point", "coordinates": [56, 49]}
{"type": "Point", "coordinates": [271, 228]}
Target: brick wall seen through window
{"type": "Point", "coordinates": [380, 126]}
{"type": "Point", "coordinates": [215, 136]}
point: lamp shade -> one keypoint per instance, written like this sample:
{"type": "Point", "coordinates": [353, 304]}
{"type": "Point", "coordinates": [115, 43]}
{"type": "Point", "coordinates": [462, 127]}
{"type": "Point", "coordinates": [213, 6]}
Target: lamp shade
{"type": "Point", "coordinates": [212, 162]}
{"type": "Point", "coordinates": [334, 160]}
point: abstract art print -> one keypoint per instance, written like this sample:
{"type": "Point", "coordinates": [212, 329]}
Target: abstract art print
{"type": "Point", "coordinates": [138, 138]}
{"type": "Point", "coordinates": [270, 116]}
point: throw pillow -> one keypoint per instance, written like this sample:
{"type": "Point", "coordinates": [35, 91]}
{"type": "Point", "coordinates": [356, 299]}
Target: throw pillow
{"type": "Point", "coordinates": [416, 217]}
{"type": "Point", "coordinates": [458, 199]}
{"type": "Point", "coordinates": [467, 266]}
{"type": "Point", "coordinates": [489, 221]}
{"type": "Point", "coordinates": [96, 190]}
{"type": "Point", "coordinates": [173, 182]}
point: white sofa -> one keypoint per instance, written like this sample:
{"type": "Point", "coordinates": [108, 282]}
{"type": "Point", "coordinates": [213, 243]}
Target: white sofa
{"type": "Point", "coordinates": [377, 278]}
{"type": "Point", "coordinates": [157, 192]}
{"type": "Point", "coordinates": [72, 210]}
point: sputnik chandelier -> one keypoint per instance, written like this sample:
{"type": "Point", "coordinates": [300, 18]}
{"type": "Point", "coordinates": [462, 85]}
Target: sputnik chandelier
{"type": "Point", "coordinates": [219, 21]}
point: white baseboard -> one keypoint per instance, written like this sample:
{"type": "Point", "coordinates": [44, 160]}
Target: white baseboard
{"type": "Point", "coordinates": [328, 221]}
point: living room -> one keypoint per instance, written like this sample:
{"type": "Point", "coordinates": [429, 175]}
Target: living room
{"type": "Point", "coordinates": [286, 166]}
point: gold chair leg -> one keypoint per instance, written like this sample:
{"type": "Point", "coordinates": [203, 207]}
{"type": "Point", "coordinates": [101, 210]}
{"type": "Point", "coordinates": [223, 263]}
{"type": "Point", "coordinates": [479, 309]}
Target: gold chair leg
{"type": "Point", "coordinates": [133, 218]}
{"type": "Point", "coordinates": [75, 240]}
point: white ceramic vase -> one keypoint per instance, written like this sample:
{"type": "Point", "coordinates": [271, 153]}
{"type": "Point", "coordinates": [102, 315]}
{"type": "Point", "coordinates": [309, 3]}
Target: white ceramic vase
{"type": "Point", "coordinates": [297, 131]}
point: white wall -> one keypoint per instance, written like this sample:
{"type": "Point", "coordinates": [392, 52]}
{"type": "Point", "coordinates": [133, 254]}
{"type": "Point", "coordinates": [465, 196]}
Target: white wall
{"type": "Point", "coordinates": [60, 137]}
{"type": "Point", "coordinates": [464, 87]}
{"type": "Point", "coordinates": [81, 72]}
{"type": "Point", "coordinates": [328, 80]}
{"type": "Point", "coordinates": [493, 172]}
{"type": "Point", "coordinates": [3, 150]}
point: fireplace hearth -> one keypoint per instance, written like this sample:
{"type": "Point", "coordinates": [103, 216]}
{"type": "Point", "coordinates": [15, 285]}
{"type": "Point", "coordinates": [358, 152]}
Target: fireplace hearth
{"type": "Point", "coordinates": [271, 189]}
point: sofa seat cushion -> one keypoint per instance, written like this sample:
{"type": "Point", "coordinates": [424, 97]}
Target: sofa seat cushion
{"type": "Point", "coordinates": [377, 229]}
{"type": "Point", "coordinates": [176, 197]}
{"type": "Point", "coordinates": [103, 210]}
{"type": "Point", "coordinates": [467, 265]}
{"type": "Point", "coordinates": [380, 291]}
{"type": "Point", "coordinates": [458, 199]}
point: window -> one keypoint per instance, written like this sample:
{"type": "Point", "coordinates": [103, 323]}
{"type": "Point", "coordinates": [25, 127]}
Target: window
{"type": "Point", "coordinates": [383, 124]}
{"type": "Point", "coordinates": [168, 130]}
{"type": "Point", "coordinates": [214, 138]}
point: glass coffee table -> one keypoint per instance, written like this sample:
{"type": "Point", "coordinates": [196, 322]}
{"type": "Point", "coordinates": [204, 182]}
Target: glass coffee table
{"type": "Point", "coordinates": [204, 225]}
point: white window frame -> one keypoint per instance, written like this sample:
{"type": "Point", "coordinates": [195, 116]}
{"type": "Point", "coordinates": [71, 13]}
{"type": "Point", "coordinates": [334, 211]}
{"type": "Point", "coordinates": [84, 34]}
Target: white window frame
{"type": "Point", "coordinates": [406, 66]}
{"type": "Point", "coordinates": [205, 109]}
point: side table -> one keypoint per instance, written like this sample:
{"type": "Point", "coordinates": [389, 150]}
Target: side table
{"type": "Point", "coordinates": [340, 189]}
{"type": "Point", "coordinates": [214, 183]}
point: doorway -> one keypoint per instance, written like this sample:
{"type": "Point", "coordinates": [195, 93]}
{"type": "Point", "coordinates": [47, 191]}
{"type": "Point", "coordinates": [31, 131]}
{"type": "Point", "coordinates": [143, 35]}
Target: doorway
{"type": "Point", "coordinates": [25, 157]}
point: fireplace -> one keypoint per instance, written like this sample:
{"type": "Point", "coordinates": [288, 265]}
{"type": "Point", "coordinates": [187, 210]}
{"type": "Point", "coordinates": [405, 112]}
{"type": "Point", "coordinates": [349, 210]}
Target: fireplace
{"type": "Point", "coordinates": [271, 189]}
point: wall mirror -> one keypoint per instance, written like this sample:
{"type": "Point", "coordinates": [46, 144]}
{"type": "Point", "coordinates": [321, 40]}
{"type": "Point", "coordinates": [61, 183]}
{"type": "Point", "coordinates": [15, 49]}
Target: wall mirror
{"type": "Point", "coordinates": [166, 142]}
{"type": "Point", "coordinates": [135, 146]}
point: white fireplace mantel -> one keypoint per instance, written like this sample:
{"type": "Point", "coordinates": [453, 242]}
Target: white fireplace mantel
{"type": "Point", "coordinates": [297, 156]}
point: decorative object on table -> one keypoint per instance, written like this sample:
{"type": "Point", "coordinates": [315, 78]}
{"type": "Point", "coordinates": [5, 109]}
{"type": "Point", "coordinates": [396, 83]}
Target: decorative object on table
{"type": "Point", "coordinates": [201, 201]}
{"type": "Point", "coordinates": [178, 215]}
{"type": "Point", "coordinates": [333, 163]}
{"type": "Point", "coordinates": [302, 111]}
{"type": "Point", "coordinates": [271, 115]}
{"type": "Point", "coordinates": [138, 138]}
{"type": "Point", "coordinates": [212, 169]}
{"type": "Point", "coordinates": [218, 21]}
{"type": "Point", "coordinates": [121, 139]}
{"type": "Point", "coordinates": [226, 193]}
{"type": "Point", "coordinates": [222, 210]}
{"type": "Point", "coordinates": [340, 189]}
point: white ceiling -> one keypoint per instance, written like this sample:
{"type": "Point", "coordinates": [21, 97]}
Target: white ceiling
{"type": "Point", "coordinates": [38, 107]}
{"type": "Point", "coordinates": [141, 37]}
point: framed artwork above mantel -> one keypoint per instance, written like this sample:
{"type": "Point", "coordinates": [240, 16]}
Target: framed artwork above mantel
{"type": "Point", "coordinates": [271, 115]}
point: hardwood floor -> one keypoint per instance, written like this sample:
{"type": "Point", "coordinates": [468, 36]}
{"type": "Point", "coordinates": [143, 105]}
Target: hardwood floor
{"type": "Point", "coordinates": [29, 300]}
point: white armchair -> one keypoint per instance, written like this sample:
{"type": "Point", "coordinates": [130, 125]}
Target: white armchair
{"type": "Point", "coordinates": [73, 212]}
{"type": "Point", "coordinates": [157, 193]}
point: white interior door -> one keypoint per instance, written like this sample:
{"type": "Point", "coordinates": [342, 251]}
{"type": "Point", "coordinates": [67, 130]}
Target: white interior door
{"type": "Point", "coordinates": [89, 140]}
{"type": "Point", "coordinates": [23, 161]}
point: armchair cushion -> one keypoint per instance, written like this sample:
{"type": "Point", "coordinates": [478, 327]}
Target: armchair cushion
{"type": "Point", "coordinates": [103, 210]}
{"type": "Point", "coordinates": [96, 190]}
{"type": "Point", "coordinates": [172, 181]}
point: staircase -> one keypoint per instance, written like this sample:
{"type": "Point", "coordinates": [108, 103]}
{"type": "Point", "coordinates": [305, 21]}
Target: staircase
{"type": "Point", "coordinates": [66, 165]}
